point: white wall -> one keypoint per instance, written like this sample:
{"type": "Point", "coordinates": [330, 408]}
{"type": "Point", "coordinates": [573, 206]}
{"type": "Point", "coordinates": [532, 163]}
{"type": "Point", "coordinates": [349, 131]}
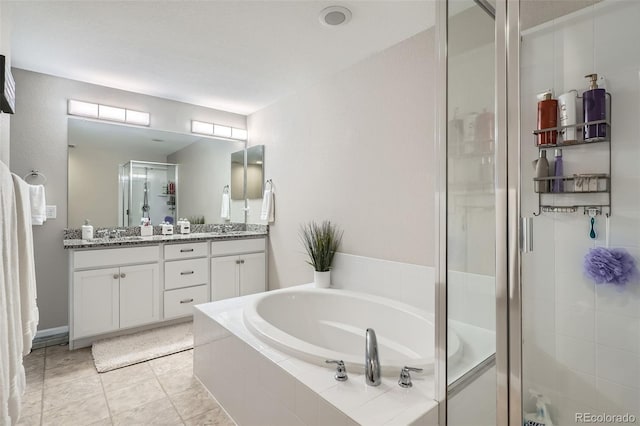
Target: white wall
{"type": "Point", "coordinates": [357, 149]}
{"type": "Point", "coordinates": [201, 180]}
{"type": "Point", "coordinates": [582, 340]}
{"type": "Point", "coordinates": [39, 141]}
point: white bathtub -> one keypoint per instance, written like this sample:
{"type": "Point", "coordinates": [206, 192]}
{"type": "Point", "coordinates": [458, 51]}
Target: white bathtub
{"type": "Point", "coordinates": [320, 324]}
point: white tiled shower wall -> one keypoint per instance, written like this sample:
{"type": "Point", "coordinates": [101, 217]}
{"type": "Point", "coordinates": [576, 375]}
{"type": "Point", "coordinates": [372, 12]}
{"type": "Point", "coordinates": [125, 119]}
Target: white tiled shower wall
{"type": "Point", "coordinates": [582, 340]}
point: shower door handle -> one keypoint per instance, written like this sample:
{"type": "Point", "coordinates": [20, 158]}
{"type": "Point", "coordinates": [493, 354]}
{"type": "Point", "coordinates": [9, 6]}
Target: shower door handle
{"type": "Point", "coordinates": [526, 234]}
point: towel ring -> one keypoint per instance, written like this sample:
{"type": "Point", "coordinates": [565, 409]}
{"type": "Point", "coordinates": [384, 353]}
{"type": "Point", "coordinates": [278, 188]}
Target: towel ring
{"type": "Point", "coordinates": [225, 190]}
{"type": "Point", "coordinates": [268, 182]}
{"type": "Point", "coordinates": [35, 173]}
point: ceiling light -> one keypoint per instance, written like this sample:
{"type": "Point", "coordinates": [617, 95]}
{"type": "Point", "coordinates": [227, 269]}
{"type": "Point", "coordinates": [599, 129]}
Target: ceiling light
{"type": "Point", "coordinates": [201, 127]}
{"type": "Point", "coordinates": [238, 134]}
{"type": "Point", "coordinates": [224, 131]}
{"type": "Point", "coordinates": [109, 113]}
{"type": "Point", "coordinates": [334, 16]}
{"type": "Point", "coordinates": [84, 109]}
{"type": "Point", "coordinates": [137, 117]}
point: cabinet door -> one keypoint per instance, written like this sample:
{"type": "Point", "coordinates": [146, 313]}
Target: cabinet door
{"type": "Point", "coordinates": [224, 277]}
{"type": "Point", "coordinates": [252, 273]}
{"type": "Point", "coordinates": [139, 295]}
{"type": "Point", "coordinates": [95, 302]}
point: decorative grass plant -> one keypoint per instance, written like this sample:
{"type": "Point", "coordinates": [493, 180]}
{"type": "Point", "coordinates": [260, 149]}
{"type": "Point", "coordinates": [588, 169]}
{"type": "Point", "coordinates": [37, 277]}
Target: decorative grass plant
{"type": "Point", "coordinates": [321, 240]}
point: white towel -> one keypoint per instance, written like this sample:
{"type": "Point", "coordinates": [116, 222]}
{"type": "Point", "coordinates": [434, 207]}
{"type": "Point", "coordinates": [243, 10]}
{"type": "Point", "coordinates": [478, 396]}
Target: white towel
{"type": "Point", "coordinates": [38, 204]}
{"type": "Point", "coordinates": [268, 207]}
{"type": "Point", "coordinates": [26, 263]}
{"type": "Point", "coordinates": [12, 375]}
{"type": "Point", "coordinates": [225, 210]}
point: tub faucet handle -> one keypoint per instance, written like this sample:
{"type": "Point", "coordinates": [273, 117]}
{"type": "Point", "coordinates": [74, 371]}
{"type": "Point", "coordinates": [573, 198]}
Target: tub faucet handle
{"type": "Point", "coordinates": [405, 377]}
{"type": "Point", "coordinates": [341, 370]}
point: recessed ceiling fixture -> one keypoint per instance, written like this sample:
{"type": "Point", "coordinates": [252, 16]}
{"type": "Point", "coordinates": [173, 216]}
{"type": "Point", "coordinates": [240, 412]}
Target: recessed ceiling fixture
{"type": "Point", "coordinates": [334, 16]}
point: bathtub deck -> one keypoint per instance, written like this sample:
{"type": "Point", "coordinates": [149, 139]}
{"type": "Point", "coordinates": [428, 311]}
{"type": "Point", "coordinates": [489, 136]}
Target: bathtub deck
{"type": "Point", "coordinates": [257, 384]}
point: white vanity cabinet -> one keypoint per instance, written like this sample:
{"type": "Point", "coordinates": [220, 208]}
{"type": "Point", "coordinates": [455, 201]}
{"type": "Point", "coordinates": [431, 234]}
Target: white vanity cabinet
{"type": "Point", "coordinates": [129, 287]}
{"type": "Point", "coordinates": [238, 268]}
{"type": "Point", "coordinates": [113, 289]}
{"type": "Point", "coordinates": [186, 278]}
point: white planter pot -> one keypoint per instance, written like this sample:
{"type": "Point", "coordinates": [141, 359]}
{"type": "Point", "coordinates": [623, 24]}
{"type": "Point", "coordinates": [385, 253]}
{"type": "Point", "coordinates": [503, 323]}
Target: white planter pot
{"type": "Point", "coordinates": [322, 279]}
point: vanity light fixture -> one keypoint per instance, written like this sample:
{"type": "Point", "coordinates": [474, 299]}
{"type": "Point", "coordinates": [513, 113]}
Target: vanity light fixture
{"type": "Point", "coordinates": [108, 113]}
{"type": "Point", "coordinates": [211, 129]}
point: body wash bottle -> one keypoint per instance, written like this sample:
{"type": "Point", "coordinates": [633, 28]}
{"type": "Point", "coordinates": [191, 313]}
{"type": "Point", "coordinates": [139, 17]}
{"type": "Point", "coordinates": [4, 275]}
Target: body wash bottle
{"type": "Point", "coordinates": [558, 184]}
{"type": "Point", "coordinates": [547, 118]}
{"type": "Point", "coordinates": [594, 108]}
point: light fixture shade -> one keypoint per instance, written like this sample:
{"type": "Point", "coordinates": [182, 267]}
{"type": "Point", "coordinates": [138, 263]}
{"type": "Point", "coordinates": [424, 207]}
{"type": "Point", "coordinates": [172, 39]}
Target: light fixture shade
{"type": "Point", "coordinates": [111, 113]}
{"type": "Point", "coordinates": [223, 131]}
{"type": "Point", "coordinates": [201, 127]}
{"type": "Point", "coordinates": [138, 117]}
{"type": "Point", "coordinates": [240, 134]}
{"type": "Point", "coordinates": [84, 109]}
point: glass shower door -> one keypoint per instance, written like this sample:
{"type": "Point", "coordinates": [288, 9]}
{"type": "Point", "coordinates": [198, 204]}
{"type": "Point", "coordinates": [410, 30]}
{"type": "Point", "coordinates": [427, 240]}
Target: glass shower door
{"type": "Point", "coordinates": [580, 305]}
{"type": "Point", "coordinates": [470, 214]}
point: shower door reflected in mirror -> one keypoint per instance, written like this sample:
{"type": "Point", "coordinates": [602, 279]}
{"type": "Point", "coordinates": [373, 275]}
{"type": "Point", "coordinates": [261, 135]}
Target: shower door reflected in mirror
{"type": "Point", "coordinates": [148, 190]}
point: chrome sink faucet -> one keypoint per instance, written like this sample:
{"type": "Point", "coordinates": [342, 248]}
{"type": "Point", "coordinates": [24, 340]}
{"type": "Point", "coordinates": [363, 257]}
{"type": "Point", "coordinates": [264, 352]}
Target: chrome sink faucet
{"type": "Point", "coordinates": [371, 361]}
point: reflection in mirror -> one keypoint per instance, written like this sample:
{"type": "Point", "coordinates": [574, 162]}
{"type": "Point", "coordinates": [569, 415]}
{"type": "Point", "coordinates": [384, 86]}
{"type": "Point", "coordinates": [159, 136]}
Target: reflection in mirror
{"type": "Point", "coordinates": [255, 171]}
{"type": "Point", "coordinates": [237, 175]}
{"type": "Point", "coordinates": [97, 150]}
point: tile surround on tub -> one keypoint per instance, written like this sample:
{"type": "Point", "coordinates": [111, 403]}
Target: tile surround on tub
{"type": "Point", "coordinates": [404, 282]}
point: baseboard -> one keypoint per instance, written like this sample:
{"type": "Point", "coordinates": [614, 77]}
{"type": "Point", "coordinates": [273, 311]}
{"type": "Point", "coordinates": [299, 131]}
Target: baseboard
{"type": "Point", "coordinates": [51, 337]}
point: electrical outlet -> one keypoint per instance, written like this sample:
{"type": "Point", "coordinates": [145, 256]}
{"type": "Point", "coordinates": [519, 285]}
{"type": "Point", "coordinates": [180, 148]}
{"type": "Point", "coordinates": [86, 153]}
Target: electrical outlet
{"type": "Point", "coordinates": [52, 212]}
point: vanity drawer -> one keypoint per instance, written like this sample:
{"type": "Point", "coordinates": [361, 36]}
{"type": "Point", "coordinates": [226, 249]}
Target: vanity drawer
{"type": "Point", "coordinates": [183, 251]}
{"type": "Point", "coordinates": [179, 303]}
{"type": "Point", "coordinates": [115, 256]}
{"type": "Point", "coordinates": [185, 273]}
{"type": "Point", "coordinates": [223, 248]}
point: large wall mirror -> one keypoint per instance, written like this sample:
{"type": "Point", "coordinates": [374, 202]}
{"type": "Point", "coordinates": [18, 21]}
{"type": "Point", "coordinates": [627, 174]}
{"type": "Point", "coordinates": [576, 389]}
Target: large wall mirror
{"type": "Point", "coordinates": [118, 174]}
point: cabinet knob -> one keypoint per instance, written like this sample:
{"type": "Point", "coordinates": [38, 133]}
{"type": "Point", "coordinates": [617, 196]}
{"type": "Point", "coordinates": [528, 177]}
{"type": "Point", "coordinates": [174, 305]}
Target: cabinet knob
{"type": "Point", "coordinates": [242, 261]}
{"type": "Point", "coordinates": [116, 276]}
{"type": "Point", "coordinates": [186, 300]}
{"type": "Point", "coordinates": [123, 275]}
{"type": "Point", "coordinates": [237, 262]}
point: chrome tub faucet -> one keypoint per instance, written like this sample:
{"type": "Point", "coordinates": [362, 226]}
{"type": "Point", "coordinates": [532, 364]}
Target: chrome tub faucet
{"type": "Point", "coordinates": [371, 361]}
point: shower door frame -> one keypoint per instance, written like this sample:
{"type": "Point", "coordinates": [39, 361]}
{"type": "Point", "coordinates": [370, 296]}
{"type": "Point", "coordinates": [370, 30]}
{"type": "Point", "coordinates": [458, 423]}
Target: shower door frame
{"type": "Point", "coordinates": [507, 196]}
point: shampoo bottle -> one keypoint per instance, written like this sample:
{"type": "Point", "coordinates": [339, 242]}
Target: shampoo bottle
{"type": "Point", "coordinates": [87, 230]}
{"type": "Point", "coordinates": [594, 108]}
{"type": "Point", "coordinates": [568, 116]}
{"type": "Point", "coordinates": [542, 171]}
{"type": "Point", "coordinates": [558, 170]}
{"type": "Point", "coordinates": [547, 118]}
{"type": "Point", "coordinates": [541, 417]}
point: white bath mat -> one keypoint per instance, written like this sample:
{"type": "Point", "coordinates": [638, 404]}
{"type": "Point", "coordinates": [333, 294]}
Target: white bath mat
{"type": "Point", "coordinates": [121, 351]}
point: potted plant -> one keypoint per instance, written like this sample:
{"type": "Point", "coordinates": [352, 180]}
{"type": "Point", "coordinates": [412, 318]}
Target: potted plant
{"type": "Point", "coordinates": [321, 241]}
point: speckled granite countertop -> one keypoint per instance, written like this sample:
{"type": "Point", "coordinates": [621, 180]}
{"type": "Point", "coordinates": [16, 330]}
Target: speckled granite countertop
{"type": "Point", "coordinates": [137, 240]}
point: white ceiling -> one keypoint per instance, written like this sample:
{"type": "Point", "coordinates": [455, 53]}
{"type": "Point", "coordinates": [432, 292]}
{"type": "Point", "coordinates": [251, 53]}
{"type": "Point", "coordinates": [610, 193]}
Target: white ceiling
{"type": "Point", "coordinates": [237, 56]}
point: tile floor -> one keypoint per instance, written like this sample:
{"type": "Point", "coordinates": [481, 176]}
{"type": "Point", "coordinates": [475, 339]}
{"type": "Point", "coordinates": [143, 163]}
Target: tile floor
{"type": "Point", "coordinates": [64, 388]}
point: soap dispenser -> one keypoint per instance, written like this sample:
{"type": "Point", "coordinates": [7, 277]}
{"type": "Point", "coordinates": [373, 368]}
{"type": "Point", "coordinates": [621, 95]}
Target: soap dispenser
{"type": "Point", "coordinates": [594, 109]}
{"type": "Point", "coordinates": [87, 230]}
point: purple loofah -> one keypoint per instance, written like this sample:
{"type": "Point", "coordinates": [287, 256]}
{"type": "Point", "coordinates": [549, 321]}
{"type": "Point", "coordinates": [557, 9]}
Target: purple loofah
{"type": "Point", "coordinates": [605, 265]}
